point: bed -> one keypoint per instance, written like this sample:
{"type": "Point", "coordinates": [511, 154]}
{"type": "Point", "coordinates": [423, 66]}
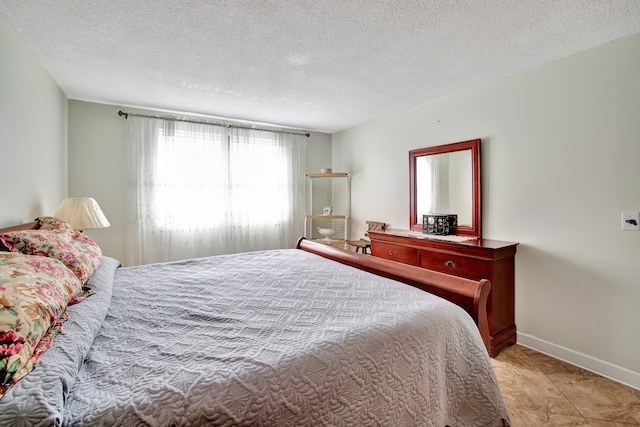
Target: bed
{"type": "Point", "coordinates": [308, 336]}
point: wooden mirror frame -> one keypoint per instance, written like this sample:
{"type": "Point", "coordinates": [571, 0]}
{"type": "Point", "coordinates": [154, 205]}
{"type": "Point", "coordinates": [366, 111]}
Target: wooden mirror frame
{"type": "Point", "coordinates": [475, 229]}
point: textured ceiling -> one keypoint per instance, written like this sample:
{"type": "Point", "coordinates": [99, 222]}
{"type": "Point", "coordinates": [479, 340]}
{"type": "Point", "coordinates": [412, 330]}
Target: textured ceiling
{"type": "Point", "coordinates": [323, 65]}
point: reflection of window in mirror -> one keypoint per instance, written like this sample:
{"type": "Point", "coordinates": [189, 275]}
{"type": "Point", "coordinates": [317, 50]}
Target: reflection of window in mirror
{"type": "Point", "coordinates": [427, 182]}
{"type": "Point", "coordinates": [445, 185]}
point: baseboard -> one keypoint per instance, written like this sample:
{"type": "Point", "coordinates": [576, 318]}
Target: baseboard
{"type": "Point", "coordinates": [617, 373]}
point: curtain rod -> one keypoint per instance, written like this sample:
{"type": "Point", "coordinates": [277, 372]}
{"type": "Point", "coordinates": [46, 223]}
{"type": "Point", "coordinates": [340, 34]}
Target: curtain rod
{"type": "Point", "coordinates": [126, 116]}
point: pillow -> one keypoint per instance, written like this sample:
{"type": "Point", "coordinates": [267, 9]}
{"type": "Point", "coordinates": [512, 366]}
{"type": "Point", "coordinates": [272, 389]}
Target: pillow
{"type": "Point", "coordinates": [53, 224]}
{"type": "Point", "coordinates": [34, 293]}
{"type": "Point", "coordinates": [78, 252]}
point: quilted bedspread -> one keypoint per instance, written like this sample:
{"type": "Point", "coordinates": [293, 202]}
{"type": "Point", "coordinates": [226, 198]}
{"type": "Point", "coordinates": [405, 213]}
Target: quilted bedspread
{"type": "Point", "coordinates": [277, 338]}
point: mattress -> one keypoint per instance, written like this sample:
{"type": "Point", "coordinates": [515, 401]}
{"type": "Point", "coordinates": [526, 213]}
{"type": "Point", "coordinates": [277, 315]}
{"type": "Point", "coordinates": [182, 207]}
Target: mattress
{"type": "Point", "coordinates": [280, 337]}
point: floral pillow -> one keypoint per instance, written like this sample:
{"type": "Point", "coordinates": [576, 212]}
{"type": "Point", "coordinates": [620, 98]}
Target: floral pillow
{"type": "Point", "coordinates": [53, 224]}
{"type": "Point", "coordinates": [34, 293]}
{"type": "Point", "coordinates": [78, 252]}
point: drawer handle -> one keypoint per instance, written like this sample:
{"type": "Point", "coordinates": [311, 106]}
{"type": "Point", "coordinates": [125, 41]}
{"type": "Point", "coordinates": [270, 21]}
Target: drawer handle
{"type": "Point", "coordinates": [392, 253]}
{"type": "Point", "coordinates": [451, 264]}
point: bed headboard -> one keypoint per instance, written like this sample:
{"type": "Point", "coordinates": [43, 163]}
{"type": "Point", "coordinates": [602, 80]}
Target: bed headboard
{"type": "Point", "coordinates": [28, 226]}
{"type": "Point", "coordinates": [471, 295]}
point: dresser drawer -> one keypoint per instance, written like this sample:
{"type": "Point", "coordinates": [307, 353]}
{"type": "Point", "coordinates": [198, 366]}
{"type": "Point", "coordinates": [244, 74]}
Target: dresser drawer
{"type": "Point", "coordinates": [456, 265]}
{"type": "Point", "coordinates": [395, 253]}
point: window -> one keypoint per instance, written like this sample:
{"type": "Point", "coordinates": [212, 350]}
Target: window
{"type": "Point", "coordinates": [200, 189]}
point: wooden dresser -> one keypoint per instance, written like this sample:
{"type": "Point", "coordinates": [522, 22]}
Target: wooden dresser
{"type": "Point", "coordinates": [475, 259]}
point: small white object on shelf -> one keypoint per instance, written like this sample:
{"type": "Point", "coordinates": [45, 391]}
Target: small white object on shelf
{"type": "Point", "coordinates": [325, 170]}
{"type": "Point", "coordinates": [327, 232]}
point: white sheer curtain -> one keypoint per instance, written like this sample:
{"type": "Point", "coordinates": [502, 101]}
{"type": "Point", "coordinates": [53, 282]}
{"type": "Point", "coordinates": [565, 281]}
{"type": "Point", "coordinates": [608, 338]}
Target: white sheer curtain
{"type": "Point", "coordinates": [199, 189]}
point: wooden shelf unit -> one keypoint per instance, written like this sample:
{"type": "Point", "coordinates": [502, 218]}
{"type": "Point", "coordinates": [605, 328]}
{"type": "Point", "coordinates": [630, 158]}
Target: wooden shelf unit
{"type": "Point", "coordinates": [328, 175]}
{"type": "Point", "coordinates": [328, 189]}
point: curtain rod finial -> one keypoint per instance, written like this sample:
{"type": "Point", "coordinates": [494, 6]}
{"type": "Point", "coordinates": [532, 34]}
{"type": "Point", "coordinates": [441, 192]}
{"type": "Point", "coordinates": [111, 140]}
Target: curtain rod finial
{"type": "Point", "coordinates": [122, 113]}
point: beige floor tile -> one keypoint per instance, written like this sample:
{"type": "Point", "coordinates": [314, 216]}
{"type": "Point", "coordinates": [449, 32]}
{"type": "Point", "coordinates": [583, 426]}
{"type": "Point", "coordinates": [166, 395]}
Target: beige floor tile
{"type": "Point", "coordinates": [557, 371]}
{"type": "Point", "coordinates": [534, 393]}
{"type": "Point", "coordinates": [526, 388]}
{"type": "Point", "coordinates": [526, 418]}
{"type": "Point", "coordinates": [542, 391]}
{"type": "Point", "coordinates": [603, 399]}
{"type": "Point", "coordinates": [601, 423]}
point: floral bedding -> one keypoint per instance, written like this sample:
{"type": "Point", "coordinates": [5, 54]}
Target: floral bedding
{"type": "Point", "coordinates": [54, 224]}
{"type": "Point", "coordinates": [38, 399]}
{"type": "Point", "coordinates": [34, 294]}
{"type": "Point", "coordinates": [56, 239]}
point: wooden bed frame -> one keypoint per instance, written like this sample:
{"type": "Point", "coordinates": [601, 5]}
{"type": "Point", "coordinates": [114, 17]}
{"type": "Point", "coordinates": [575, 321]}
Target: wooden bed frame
{"type": "Point", "coordinates": [470, 295]}
{"type": "Point", "coordinates": [28, 226]}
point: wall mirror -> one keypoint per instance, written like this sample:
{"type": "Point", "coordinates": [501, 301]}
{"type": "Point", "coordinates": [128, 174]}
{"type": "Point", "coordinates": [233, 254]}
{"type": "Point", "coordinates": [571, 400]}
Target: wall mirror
{"type": "Point", "coordinates": [445, 179]}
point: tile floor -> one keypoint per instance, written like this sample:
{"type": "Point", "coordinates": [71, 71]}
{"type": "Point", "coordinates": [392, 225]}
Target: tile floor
{"type": "Point", "coordinates": [542, 391]}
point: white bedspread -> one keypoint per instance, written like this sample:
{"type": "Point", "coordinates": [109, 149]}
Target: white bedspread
{"type": "Point", "coordinates": [280, 338]}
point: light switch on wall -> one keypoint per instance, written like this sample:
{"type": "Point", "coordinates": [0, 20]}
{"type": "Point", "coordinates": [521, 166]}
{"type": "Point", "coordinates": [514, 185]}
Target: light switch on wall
{"type": "Point", "coordinates": [631, 221]}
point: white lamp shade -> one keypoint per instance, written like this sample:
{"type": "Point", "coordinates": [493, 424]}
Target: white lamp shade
{"type": "Point", "coordinates": [82, 213]}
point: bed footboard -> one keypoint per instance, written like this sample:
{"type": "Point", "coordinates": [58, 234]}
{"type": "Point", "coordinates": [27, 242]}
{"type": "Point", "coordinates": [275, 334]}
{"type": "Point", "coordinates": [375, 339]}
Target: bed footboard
{"type": "Point", "coordinates": [471, 295]}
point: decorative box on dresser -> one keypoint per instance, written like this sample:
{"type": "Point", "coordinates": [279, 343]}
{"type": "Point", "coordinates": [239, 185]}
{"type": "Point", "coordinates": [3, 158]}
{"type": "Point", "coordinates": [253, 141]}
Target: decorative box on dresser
{"type": "Point", "coordinates": [472, 259]}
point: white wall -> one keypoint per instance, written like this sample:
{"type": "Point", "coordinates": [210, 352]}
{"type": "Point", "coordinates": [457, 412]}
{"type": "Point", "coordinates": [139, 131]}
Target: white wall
{"type": "Point", "coordinates": [33, 135]}
{"type": "Point", "coordinates": [560, 162]}
{"type": "Point", "coordinates": [98, 168]}
{"type": "Point", "coordinates": [98, 165]}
